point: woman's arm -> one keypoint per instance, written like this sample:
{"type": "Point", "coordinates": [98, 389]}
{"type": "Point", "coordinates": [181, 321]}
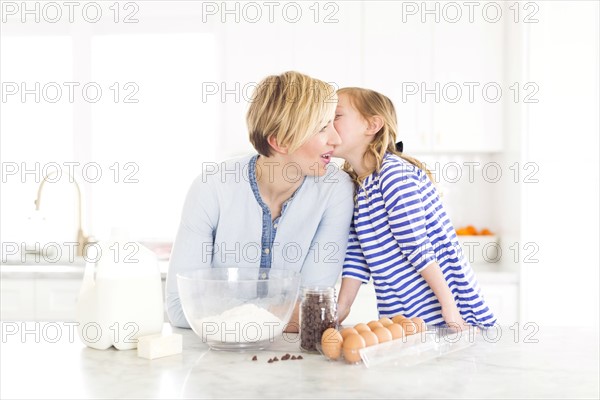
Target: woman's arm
{"type": "Point", "coordinates": [193, 245]}
{"type": "Point", "coordinates": [293, 326]}
{"type": "Point", "coordinates": [325, 256]}
{"type": "Point", "coordinates": [435, 279]}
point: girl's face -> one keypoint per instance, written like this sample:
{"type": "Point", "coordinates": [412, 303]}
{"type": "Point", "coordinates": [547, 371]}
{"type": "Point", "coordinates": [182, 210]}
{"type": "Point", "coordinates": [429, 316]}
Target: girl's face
{"type": "Point", "coordinates": [351, 127]}
{"type": "Point", "coordinates": [313, 156]}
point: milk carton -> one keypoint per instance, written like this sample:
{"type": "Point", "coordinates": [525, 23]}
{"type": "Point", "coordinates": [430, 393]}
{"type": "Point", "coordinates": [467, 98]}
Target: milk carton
{"type": "Point", "coordinates": [121, 296]}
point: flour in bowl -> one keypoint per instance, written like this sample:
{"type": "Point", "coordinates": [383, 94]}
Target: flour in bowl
{"type": "Point", "coordinates": [242, 324]}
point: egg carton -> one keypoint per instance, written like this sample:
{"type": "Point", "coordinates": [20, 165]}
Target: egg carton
{"type": "Point", "coordinates": [418, 348]}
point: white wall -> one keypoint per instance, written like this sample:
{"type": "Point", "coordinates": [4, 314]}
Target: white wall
{"type": "Point", "coordinates": [560, 213]}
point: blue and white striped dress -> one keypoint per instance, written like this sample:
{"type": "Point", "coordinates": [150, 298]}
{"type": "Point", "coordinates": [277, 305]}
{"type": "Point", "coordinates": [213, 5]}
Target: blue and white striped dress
{"type": "Point", "coordinates": [399, 227]}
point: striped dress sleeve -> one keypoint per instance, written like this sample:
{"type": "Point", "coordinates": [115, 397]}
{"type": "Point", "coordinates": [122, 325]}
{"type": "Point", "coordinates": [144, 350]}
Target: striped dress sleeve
{"type": "Point", "coordinates": [404, 190]}
{"type": "Point", "coordinates": [355, 264]}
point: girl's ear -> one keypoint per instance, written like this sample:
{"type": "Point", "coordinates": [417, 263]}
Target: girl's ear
{"type": "Point", "coordinates": [273, 143]}
{"type": "Point", "coordinates": [375, 124]}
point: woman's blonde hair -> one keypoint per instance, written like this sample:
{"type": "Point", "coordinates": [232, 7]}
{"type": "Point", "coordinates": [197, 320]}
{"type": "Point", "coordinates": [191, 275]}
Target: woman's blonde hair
{"type": "Point", "coordinates": [369, 104]}
{"type": "Point", "coordinates": [290, 107]}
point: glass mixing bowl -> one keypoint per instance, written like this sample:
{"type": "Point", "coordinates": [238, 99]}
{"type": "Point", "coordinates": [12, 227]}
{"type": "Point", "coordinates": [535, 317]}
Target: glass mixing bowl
{"type": "Point", "coordinates": [238, 308]}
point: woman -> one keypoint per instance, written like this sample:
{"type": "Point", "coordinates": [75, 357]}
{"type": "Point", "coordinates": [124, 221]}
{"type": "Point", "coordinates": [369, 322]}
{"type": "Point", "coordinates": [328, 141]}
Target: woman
{"type": "Point", "coordinates": [285, 207]}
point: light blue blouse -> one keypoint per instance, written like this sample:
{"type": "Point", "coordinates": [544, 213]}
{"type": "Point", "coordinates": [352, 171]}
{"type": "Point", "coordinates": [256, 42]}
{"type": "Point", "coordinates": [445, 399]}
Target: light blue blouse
{"type": "Point", "coordinates": [226, 223]}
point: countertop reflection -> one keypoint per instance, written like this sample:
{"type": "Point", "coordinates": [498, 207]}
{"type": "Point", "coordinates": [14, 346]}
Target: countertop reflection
{"type": "Point", "coordinates": [47, 360]}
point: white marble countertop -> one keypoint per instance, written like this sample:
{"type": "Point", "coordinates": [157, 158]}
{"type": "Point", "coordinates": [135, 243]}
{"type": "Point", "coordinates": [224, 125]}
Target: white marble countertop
{"type": "Point", "coordinates": [561, 364]}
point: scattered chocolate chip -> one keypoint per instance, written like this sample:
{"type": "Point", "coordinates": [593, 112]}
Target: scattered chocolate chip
{"type": "Point", "coordinates": [270, 361]}
{"type": "Point", "coordinates": [299, 358]}
{"type": "Point", "coordinates": [275, 359]}
{"type": "Point", "coordinates": [293, 357]}
{"type": "Point", "coordinates": [254, 358]}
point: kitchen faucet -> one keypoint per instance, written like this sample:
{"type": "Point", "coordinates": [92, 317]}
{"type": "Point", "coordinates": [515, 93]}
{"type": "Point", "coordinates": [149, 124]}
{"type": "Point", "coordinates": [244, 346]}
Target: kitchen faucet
{"type": "Point", "coordinates": [82, 239]}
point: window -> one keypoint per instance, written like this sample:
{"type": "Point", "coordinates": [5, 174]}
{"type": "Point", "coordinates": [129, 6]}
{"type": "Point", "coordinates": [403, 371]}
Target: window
{"type": "Point", "coordinates": [153, 143]}
{"type": "Point", "coordinates": [146, 132]}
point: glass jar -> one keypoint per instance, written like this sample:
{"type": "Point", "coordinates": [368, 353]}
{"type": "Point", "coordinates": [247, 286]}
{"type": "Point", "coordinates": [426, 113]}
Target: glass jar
{"type": "Point", "coordinates": [318, 311]}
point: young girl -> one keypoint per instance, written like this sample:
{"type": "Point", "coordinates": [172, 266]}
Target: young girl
{"type": "Point", "coordinates": [400, 235]}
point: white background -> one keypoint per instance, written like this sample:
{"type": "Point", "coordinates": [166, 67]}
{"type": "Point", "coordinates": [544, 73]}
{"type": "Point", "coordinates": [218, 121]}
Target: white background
{"type": "Point", "coordinates": [170, 55]}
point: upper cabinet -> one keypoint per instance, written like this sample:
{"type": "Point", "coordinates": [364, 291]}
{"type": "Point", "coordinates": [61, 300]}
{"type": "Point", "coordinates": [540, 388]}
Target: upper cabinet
{"type": "Point", "coordinates": [443, 72]}
{"type": "Point", "coordinates": [468, 69]}
{"type": "Point", "coordinates": [327, 42]}
{"type": "Point", "coordinates": [397, 60]}
{"type": "Point", "coordinates": [443, 69]}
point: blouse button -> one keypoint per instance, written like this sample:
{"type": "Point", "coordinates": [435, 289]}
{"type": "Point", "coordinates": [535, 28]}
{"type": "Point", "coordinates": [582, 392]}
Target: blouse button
{"type": "Point", "coordinates": [267, 251]}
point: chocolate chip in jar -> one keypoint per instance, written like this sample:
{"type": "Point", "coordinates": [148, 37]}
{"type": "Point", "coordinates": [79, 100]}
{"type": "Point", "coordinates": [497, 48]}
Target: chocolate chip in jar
{"type": "Point", "coordinates": [318, 312]}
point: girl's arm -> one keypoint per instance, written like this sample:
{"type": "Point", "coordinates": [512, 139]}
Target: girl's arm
{"type": "Point", "coordinates": [435, 279]}
{"type": "Point", "coordinates": [347, 295]}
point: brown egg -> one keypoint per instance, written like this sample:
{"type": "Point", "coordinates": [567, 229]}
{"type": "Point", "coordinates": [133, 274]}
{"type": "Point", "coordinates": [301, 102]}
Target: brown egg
{"type": "Point", "coordinates": [383, 334]}
{"type": "Point", "coordinates": [370, 338]}
{"type": "Point", "coordinates": [348, 331]}
{"type": "Point", "coordinates": [396, 331]}
{"type": "Point", "coordinates": [331, 343]}
{"type": "Point", "coordinates": [375, 324]}
{"type": "Point", "coordinates": [362, 327]}
{"type": "Point", "coordinates": [410, 328]}
{"type": "Point", "coordinates": [352, 344]}
{"type": "Point", "coordinates": [385, 321]}
{"type": "Point", "coordinates": [398, 319]}
{"type": "Point", "coordinates": [420, 323]}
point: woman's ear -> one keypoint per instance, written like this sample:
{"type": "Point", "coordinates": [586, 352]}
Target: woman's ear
{"type": "Point", "coordinates": [276, 147]}
{"type": "Point", "coordinates": [375, 124]}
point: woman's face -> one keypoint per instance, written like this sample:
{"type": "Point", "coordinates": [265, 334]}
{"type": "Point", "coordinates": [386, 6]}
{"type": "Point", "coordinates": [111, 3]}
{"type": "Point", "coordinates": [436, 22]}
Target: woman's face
{"type": "Point", "coordinates": [351, 127]}
{"type": "Point", "coordinates": [313, 156]}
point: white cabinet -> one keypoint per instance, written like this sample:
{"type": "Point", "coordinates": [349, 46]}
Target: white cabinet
{"type": "Point", "coordinates": [468, 74]}
{"type": "Point", "coordinates": [364, 308]}
{"type": "Point", "coordinates": [442, 77]}
{"type": "Point", "coordinates": [503, 300]}
{"type": "Point", "coordinates": [39, 299]}
{"type": "Point", "coordinates": [17, 299]}
{"type": "Point", "coordinates": [56, 299]}
{"type": "Point", "coordinates": [397, 60]}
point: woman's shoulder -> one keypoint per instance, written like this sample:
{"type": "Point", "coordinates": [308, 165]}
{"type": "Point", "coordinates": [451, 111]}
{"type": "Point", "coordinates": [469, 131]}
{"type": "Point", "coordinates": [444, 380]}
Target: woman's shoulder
{"type": "Point", "coordinates": [215, 173]}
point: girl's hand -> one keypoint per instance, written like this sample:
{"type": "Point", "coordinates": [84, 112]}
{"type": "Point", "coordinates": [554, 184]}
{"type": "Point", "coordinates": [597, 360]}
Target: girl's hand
{"type": "Point", "coordinates": [342, 312]}
{"type": "Point", "coordinates": [453, 319]}
{"type": "Point", "coordinates": [348, 292]}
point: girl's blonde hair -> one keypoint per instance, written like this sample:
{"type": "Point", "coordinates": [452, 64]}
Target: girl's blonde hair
{"type": "Point", "coordinates": [369, 104]}
{"type": "Point", "coordinates": [291, 107]}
